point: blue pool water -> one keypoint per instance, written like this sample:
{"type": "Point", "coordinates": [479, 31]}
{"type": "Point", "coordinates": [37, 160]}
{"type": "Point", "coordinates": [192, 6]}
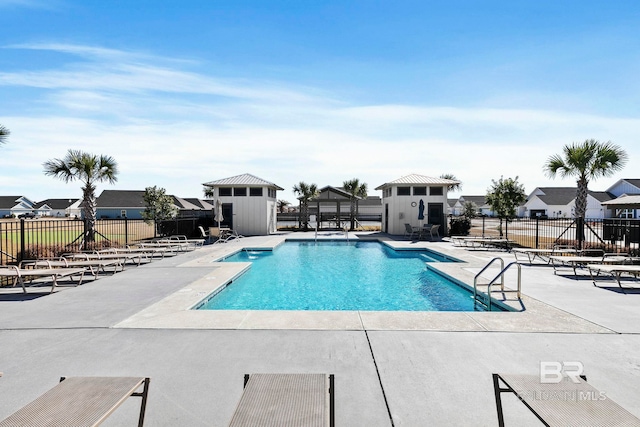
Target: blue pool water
{"type": "Point", "coordinates": [339, 276]}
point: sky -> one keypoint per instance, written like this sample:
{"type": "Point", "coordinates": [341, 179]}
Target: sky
{"type": "Point", "coordinates": [185, 92]}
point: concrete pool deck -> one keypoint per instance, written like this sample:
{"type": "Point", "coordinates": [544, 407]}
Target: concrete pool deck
{"type": "Point", "coordinates": [402, 369]}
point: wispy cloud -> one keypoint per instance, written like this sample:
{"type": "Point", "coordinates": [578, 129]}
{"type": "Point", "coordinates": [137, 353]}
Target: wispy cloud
{"type": "Point", "coordinates": [174, 124]}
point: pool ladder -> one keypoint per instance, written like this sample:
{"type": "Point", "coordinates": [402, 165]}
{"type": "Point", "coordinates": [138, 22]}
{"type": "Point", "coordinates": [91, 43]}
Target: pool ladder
{"type": "Point", "coordinates": [485, 299]}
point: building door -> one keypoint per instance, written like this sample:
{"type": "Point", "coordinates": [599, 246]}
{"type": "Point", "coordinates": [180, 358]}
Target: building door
{"type": "Point", "coordinates": [435, 215]}
{"type": "Point", "coordinates": [227, 214]}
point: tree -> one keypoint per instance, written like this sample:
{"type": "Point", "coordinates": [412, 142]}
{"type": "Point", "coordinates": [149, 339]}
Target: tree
{"type": "Point", "coordinates": [306, 192]}
{"type": "Point", "coordinates": [4, 133]}
{"type": "Point", "coordinates": [88, 169]}
{"type": "Point", "coordinates": [586, 161]}
{"type": "Point", "coordinates": [452, 187]}
{"type": "Point", "coordinates": [469, 210]}
{"type": "Point", "coordinates": [504, 197]}
{"type": "Point", "coordinates": [356, 191]}
{"type": "Point", "coordinates": [208, 192]}
{"type": "Point", "coordinates": [159, 206]}
{"type": "Point", "coordinates": [282, 205]}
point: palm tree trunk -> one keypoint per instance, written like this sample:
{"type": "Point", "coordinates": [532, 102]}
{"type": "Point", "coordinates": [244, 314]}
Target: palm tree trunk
{"type": "Point", "coordinates": [581, 209]}
{"type": "Point", "coordinates": [89, 207]}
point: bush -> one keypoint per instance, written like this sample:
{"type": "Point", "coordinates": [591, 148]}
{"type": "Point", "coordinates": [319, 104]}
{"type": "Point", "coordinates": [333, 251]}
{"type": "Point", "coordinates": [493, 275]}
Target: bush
{"type": "Point", "coordinates": [459, 226]}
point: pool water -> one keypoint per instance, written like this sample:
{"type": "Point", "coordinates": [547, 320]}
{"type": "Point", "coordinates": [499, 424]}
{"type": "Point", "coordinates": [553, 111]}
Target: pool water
{"type": "Point", "coordinates": [339, 276]}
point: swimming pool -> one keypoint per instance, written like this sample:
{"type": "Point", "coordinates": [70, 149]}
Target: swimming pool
{"type": "Point", "coordinates": [338, 275]}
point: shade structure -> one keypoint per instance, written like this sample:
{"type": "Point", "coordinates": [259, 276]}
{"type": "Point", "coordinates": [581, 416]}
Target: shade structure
{"type": "Point", "coordinates": [624, 202]}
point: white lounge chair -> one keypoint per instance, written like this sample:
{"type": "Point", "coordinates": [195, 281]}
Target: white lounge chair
{"type": "Point", "coordinates": [615, 270]}
{"type": "Point", "coordinates": [21, 274]}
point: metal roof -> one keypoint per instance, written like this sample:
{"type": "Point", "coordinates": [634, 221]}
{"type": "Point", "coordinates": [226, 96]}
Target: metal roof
{"type": "Point", "coordinates": [622, 202]}
{"type": "Point", "coordinates": [414, 179]}
{"type": "Point", "coordinates": [244, 179]}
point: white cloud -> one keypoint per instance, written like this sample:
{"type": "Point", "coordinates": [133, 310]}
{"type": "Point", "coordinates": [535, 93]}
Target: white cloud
{"type": "Point", "coordinates": [178, 128]}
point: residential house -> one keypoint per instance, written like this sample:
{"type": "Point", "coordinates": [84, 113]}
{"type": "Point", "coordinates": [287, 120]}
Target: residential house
{"type": "Point", "coordinates": [130, 204]}
{"type": "Point", "coordinates": [559, 202]}
{"type": "Point", "coordinates": [482, 207]}
{"type": "Point", "coordinates": [401, 202]}
{"type": "Point", "coordinates": [248, 203]}
{"type": "Point", "coordinates": [58, 208]}
{"type": "Point", "coordinates": [15, 205]}
{"type": "Point", "coordinates": [625, 187]}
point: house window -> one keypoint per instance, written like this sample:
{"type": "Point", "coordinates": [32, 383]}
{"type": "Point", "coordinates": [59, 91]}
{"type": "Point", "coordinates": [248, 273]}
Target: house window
{"type": "Point", "coordinates": [404, 191]}
{"type": "Point", "coordinates": [419, 191]}
{"type": "Point", "coordinates": [224, 191]}
{"type": "Point", "coordinates": [271, 193]}
{"type": "Point", "coordinates": [257, 192]}
{"type": "Point", "coordinates": [239, 191]}
{"type": "Point", "coordinates": [436, 191]}
{"type": "Point", "coordinates": [123, 213]}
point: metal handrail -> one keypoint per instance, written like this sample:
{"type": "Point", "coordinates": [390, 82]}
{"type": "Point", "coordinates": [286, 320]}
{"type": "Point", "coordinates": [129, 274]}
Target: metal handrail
{"type": "Point", "coordinates": [475, 279]}
{"type": "Point", "coordinates": [499, 275]}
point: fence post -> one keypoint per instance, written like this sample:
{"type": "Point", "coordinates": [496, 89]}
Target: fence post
{"type": "Point", "coordinates": [537, 232]}
{"type": "Point", "coordinates": [580, 232]}
{"type": "Point", "coordinates": [22, 246]}
{"type": "Point", "coordinates": [483, 217]}
{"type": "Point", "coordinates": [126, 231]}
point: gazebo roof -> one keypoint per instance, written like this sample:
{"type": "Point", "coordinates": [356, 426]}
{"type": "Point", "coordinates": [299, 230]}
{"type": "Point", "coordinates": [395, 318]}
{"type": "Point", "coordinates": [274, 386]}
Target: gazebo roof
{"type": "Point", "coordinates": [414, 179]}
{"type": "Point", "coordinates": [244, 179]}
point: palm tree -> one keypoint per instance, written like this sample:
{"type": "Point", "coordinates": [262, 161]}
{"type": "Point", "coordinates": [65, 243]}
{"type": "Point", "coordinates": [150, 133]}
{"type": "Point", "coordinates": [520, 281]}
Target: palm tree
{"type": "Point", "coordinates": [356, 191]}
{"type": "Point", "coordinates": [585, 161]}
{"type": "Point", "coordinates": [282, 205]}
{"type": "Point", "coordinates": [89, 169]}
{"type": "Point", "coordinates": [306, 192]}
{"type": "Point", "coordinates": [588, 160]}
{"type": "Point", "coordinates": [4, 133]}
{"type": "Point", "coordinates": [452, 177]}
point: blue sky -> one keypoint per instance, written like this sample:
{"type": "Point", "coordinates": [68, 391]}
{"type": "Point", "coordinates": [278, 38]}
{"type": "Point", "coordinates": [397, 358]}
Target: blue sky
{"type": "Point", "coordinates": [182, 93]}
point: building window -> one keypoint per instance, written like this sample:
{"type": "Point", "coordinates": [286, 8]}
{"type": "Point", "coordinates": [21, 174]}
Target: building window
{"type": "Point", "coordinates": [271, 193]}
{"type": "Point", "coordinates": [257, 192]}
{"type": "Point", "coordinates": [239, 191]}
{"type": "Point", "coordinates": [419, 191]}
{"type": "Point", "coordinates": [404, 191]}
{"type": "Point", "coordinates": [436, 191]}
{"type": "Point", "coordinates": [224, 191]}
{"type": "Point", "coordinates": [123, 213]}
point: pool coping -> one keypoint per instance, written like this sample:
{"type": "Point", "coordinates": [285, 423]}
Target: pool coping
{"type": "Point", "coordinates": [175, 310]}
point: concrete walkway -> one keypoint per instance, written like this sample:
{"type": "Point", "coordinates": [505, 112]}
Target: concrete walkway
{"type": "Point", "coordinates": [400, 369]}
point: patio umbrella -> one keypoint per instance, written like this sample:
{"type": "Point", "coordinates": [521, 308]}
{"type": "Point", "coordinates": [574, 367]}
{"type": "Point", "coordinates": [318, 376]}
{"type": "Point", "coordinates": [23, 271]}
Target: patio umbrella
{"type": "Point", "coordinates": [218, 216]}
{"type": "Point", "coordinates": [421, 211]}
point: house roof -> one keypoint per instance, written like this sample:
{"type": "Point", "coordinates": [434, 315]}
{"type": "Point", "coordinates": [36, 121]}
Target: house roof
{"type": "Point", "coordinates": [55, 203]}
{"type": "Point", "coordinates": [560, 196]}
{"type": "Point", "coordinates": [244, 179]}
{"type": "Point", "coordinates": [624, 202]}
{"type": "Point", "coordinates": [121, 199]}
{"type": "Point", "coordinates": [634, 182]}
{"type": "Point", "coordinates": [477, 200]}
{"type": "Point", "coordinates": [414, 179]}
{"type": "Point", "coordinates": [8, 202]}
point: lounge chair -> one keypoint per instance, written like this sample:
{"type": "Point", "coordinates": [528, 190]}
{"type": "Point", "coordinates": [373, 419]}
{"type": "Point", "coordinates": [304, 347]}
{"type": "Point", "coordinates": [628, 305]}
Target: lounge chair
{"type": "Point", "coordinates": [80, 401]}
{"type": "Point", "coordinates": [20, 274]}
{"type": "Point", "coordinates": [292, 400]}
{"type": "Point", "coordinates": [410, 232]}
{"type": "Point", "coordinates": [564, 403]}
{"type": "Point", "coordinates": [93, 266]}
{"type": "Point", "coordinates": [541, 253]}
{"type": "Point", "coordinates": [576, 262]}
{"type": "Point", "coordinates": [615, 270]}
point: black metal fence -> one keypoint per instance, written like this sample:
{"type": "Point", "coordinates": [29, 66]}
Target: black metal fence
{"type": "Point", "coordinates": [609, 234]}
{"type": "Point", "coordinates": [49, 238]}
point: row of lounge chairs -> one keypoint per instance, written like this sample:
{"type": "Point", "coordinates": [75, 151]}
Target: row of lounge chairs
{"type": "Point", "coordinates": [294, 400]}
{"type": "Point", "coordinates": [307, 400]}
{"type": "Point", "coordinates": [73, 266]}
{"type": "Point", "coordinates": [481, 242]}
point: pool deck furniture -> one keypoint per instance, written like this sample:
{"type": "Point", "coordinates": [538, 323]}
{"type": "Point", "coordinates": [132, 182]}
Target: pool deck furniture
{"type": "Point", "coordinates": [564, 403]}
{"type": "Point", "coordinates": [429, 230]}
{"type": "Point", "coordinates": [81, 401]}
{"type": "Point", "coordinates": [483, 242]}
{"type": "Point", "coordinates": [292, 400]}
{"type": "Point", "coordinates": [614, 270]}
{"type": "Point", "coordinates": [575, 262]}
{"type": "Point", "coordinates": [92, 266]}
{"type": "Point", "coordinates": [411, 232]}
{"type": "Point", "coordinates": [148, 252]}
{"type": "Point", "coordinates": [21, 274]}
{"type": "Point", "coordinates": [167, 244]}
{"type": "Point", "coordinates": [125, 257]}
{"type": "Point", "coordinates": [540, 253]}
